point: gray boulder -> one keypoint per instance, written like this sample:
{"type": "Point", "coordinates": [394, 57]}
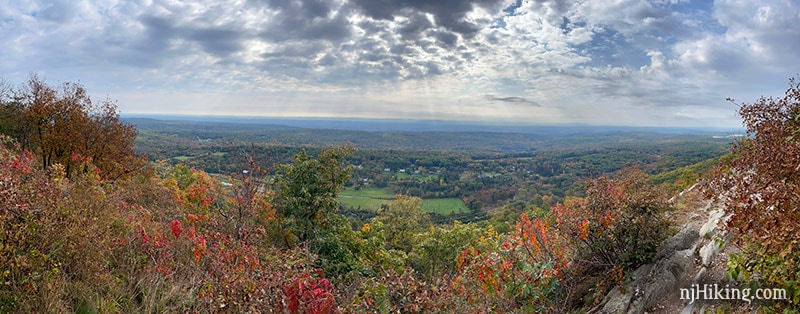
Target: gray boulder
{"type": "Point", "coordinates": [648, 283]}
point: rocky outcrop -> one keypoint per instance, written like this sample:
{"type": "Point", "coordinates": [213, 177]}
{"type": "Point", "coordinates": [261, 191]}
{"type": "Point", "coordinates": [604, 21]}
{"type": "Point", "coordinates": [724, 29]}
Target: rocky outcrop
{"type": "Point", "coordinates": [684, 239]}
{"type": "Point", "coordinates": [712, 240]}
{"type": "Point", "coordinates": [682, 260]}
{"type": "Point", "coordinates": [650, 282]}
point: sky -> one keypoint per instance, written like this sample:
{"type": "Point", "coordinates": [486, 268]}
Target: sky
{"type": "Point", "coordinates": [599, 62]}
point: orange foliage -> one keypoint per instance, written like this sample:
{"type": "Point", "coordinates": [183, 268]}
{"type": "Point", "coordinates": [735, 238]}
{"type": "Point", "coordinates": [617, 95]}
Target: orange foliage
{"type": "Point", "coordinates": [67, 128]}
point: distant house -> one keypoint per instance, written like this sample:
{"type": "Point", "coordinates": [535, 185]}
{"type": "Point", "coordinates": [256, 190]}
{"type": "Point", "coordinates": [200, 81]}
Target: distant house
{"type": "Point", "coordinates": [402, 170]}
{"type": "Point", "coordinates": [387, 170]}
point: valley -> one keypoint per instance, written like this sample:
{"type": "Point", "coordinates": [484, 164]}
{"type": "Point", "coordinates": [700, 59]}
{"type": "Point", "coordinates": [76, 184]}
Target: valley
{"type": "Point", "coordinates": [459, 175]}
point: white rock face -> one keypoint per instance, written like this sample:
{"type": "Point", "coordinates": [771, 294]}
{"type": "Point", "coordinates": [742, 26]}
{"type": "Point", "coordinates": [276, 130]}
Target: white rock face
{"type": "Point", "coordinates": [708, 252]}
{"type": "Point", "coordinates": [711, 227]}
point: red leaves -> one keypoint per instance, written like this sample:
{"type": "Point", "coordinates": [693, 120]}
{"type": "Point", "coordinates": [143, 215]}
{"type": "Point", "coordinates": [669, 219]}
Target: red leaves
{"type": "Point", "coordinates": [190, 233]}
{"type": "Point", "coordinates": [196, 218]}
{"type": "Point", "coordinates": [619, 223]}
{"type": "Point", "coordinates": [534, 235]}
{"type": "Point", "coordinates": [758, 186]}
{"type": "Point", "coordinates": [542, 228]}
{"type": "Point", "coordinates": [13, 161]}
{"type": "Point", "coordinates": [615, 191]}
{"type": "Point", "coordinates": [200, 192]}
{"type": "Point", "coordinates": [307, 295]}
{"type": "Point", "coordinates": [15, 164]}
{"type": "Point", "coordinates": [177, 228]}
{"type": "Point", "coordinates": [192, 187]}
{"type": "Point", "coordinates": [527, 267]}
{"type": "Point", "coordinates": [606, 220]}
{"type": "Point", "coordinates": [84, 160]}
{"type": "Point", "coordinates": [199, 248]}
{"type": "Point", "coordinates": [325, 284]}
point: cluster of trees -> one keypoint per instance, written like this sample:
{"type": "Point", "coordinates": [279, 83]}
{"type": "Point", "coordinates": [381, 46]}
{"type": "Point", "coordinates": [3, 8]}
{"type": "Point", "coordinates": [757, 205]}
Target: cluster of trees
{"type": "Point", "coordinates": [64, 127]}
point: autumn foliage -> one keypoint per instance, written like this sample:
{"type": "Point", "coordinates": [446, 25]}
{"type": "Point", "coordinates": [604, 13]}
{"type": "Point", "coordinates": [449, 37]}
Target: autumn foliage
{"type": "Point", "coordinates": [63, 126]}
{"type": "Point", "coordinates": [545, 263]}
{"type": "Point", "coordinates": [87, 243]}
{"type": "Point", "coordinates": [619, 224]}
{"type": "Point", "coordinates": [81, 231]}
{"type": "Point", "coordinates": [152, 244]}
{"type": "Point", "coordinates": [759, 186]}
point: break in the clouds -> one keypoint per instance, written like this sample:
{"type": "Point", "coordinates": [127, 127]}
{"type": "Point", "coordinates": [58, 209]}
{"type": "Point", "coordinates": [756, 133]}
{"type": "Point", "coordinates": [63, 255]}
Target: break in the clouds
{"type": "Point", "coordinates": [626, 62]}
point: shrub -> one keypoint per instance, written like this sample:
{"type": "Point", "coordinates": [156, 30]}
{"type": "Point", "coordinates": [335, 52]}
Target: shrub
{"type": "Point", "coordinates": [759, 186]}
{"type": "Point", "coordinates": [518, 271]}
{"type": "Point", "coordinates": [436, 250]}
{"type": "Point", "coordinates": [619, 224]}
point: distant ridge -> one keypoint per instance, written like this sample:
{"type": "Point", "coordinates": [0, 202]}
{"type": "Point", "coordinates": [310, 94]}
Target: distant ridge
{"type": "Point", "coordinates": [400, 125]}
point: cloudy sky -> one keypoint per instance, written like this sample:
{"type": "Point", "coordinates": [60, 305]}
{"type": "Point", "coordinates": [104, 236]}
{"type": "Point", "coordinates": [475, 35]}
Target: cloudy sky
{"type": "Point", "coordinates": [608, 62]}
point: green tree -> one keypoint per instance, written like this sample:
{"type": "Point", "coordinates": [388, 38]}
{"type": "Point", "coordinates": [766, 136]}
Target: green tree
{"type": "Point", "coordinates": [436, 251]}
{"type": "Point", "coordinates": [401, 220]}
{"type": "Point", "coordinates": [12, 113]}
{"type": "Point", "coordinates": [307, 191]}
{"type": "Point", "coordinates": [305, 201]}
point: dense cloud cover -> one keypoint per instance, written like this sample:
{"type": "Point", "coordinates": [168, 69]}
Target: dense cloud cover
{"type": "Point", "coordinates": [625, 62]}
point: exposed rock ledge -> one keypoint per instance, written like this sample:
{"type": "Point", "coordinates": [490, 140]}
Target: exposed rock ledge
{"type": "Point", "coordinates": [682, 260]}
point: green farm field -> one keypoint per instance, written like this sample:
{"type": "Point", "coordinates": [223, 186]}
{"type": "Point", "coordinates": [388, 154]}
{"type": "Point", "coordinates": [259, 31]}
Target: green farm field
{"type": "Point", "coordinates": [182, 158]}
{"type": "Point", "coordinates": [366, 198]}
{"type": "Point", "coordinates": [444, 206]}
{"type": "Point", "coordinates": [372, 199]}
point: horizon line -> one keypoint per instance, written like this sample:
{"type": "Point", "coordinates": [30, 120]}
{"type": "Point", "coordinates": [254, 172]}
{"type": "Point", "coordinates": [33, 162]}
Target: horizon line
{"type": "Point", "coordinates": [496, 123]}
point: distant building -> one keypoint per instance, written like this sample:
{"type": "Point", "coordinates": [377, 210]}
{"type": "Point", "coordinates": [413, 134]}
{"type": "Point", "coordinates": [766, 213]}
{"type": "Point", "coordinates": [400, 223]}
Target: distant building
{"type": "Point", "coordinates": [387, 170]}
